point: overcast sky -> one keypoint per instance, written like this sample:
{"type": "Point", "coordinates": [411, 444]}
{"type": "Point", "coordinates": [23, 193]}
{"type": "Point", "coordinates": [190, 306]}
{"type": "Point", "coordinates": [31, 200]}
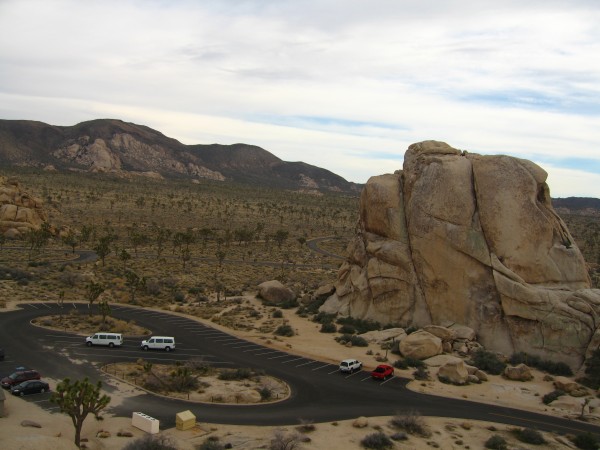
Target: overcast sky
{"type": "Point", "coordinates": [344, 85]}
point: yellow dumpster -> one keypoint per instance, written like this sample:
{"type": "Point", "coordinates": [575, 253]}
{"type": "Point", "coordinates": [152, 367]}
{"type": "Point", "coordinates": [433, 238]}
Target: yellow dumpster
{"type": "Point", "coordinates": [185, 420]}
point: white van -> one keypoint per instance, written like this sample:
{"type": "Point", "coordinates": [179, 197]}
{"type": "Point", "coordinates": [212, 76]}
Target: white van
{"type": "Point", "coordinates": [166, 343]}
{"type": "Point", "coordinates": [108, 339]}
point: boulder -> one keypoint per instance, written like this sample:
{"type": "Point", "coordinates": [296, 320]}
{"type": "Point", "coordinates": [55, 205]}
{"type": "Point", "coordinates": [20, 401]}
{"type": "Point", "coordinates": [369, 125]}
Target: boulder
{"type": "Point", "coordinates": [420, 345]}
{"type": "Point", "coordinates": [460, 238]}
{"type": "Point", "coordinates": [274, 292]}
{"type": "Point", "coordinates": [445, 334]}
{"type": "Point", "coordinates": [440, 360]}
{"type": "Point", "coordinates": [360, 422]}
{"type": "Point", "coordinates": [520, 372]}
{"type": "Point", "coordinates": [565, 384]}
{"type": "Point", "coordinates": [379, 336]}
{"type": "Point", "coordinates": [455, 372]}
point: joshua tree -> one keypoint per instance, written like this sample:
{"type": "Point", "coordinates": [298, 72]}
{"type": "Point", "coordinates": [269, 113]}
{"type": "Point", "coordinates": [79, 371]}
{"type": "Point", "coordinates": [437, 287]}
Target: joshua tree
{"type": "Point", "coordinates": [78, 399]}
{"type": "Point", "coordinates": [93, 291]}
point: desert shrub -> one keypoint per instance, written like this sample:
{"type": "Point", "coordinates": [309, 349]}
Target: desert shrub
{"type": "Point", "coordinates": [414, 362]}
{"type": "Point", "coordinates": [377, 441]}
{"type": "Point", "coordinates": [411, 329]}
{"type": "Point", "coordinates": [356, 341]}
{"type": "Point", "coordinates": [360, 325]}
{"type": "Point", "coordinates": [412, 423]}
{"type": "Point", "coordinates": [151, 442]}
{"type": "Point", "coordinates": [287, 304]}
{"type": "Point", "coordinates": [554, 368]}
{"type": "Point", "coordinates": [277, 314]}
{"type": "Point", "coordinates": [421, 373]}
{"type": "Point", "coordinates": [179, 297]}
{"type": "Point", "coordinates": [496, 443]}
{"type": "Point", "coordinates": [312, 307]}
{"type": "Point", "coordinates": [488, 362]}
{"type": "Point", "coordinates": [401, 364]}
{"type": "Point", "coordinates": [211, 443]}
{"type": "Point", "coordinates": [400, 436]}
{"type": "Point", "coordinates": [265, 393]}
{"type": "Point", "coordinates": [529, 436]}
{"type": "Point", "coordinates": [306, 426]}
{"type": "Point", "coordinates": [236, 374]}
{"type": "Point", "coordinates": [324, 318]}
{"type": "Point", "coordinates": [152, 287]}
{"type": "Point", "coordinates": [284, 330]}
{"type": "Point", "coordinates": [592, 371]}
{"type": "Point", "coordinates": [285, 441]}
{"type": "Point", "coordinates": [586, 441]}
{"type": "Point", "coordinates": [347, 329]}
{"type": "Point", "coordinates": [549, 398]}
{"type": "Point", "coordinates": [328, 328]}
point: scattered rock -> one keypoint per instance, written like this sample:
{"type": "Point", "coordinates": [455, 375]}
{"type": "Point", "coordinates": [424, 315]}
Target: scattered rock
{"type": "Point", "coordinates": [360, 422]}
{"type": "Point", "coordinates": [519, 372]}
{"type": "Point", "coordinates": [30, 423]}
{"type": "Point", "coordinates": [455, 372]}
{"type": "Point", "coordinates": [124, 433]}
{"type": "Point", "coordinates": [565, 384]}
{"type": "Point", "coordinates": [103, 434]}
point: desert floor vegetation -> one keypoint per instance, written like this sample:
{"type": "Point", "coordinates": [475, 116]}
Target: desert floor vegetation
{"type": "Point", "coordinates": [164, 243]}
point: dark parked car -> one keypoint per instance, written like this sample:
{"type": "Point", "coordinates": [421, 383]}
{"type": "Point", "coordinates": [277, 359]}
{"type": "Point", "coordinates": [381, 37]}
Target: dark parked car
{"type": "Point", "coordinates": [382, 371]}
{"type": "Point", "coordinates": [18, 377]}
{"type": "Point", "coordinates": [30, 387]}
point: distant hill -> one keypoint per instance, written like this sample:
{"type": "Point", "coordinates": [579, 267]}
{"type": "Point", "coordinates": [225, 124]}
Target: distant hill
{"type": "Point", "coordinates": [587, 206]}
{"type": "Point", "coordinates": [114, 146]}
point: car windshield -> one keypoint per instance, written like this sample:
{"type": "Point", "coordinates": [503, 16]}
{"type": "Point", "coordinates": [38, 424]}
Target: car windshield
{"type": "Point", "coordinates": [13, 376]}
{"type": "Point", "coordinates": [380, 369]}
{"type": "Point", "coordinates": [344, 363]}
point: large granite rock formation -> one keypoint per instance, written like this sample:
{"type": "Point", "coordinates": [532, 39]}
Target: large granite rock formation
{"type": "Point", "coordinates": [19, 211]}
{"type": "Point", "coordinates": [469, 239]}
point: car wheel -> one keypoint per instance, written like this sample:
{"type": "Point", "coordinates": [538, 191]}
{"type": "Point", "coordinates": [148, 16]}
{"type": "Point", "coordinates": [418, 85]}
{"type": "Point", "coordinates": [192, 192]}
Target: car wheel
{"type": "Point", "coordinates": [111, 345]}
{"type": "Point", "coordinates": [42, 390]}
{"type": "Point", "coordinates": [167, 349]}
{"type": "Point", "coordinates": [145, 347]}
{"type": "Point", "coordinates": [21, 393]}
{"type": "Point", "coordinates": [89, 344]}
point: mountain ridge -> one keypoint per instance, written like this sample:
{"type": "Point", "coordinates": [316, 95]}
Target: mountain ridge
{"type": "Point", "coordinates": [115, 146]}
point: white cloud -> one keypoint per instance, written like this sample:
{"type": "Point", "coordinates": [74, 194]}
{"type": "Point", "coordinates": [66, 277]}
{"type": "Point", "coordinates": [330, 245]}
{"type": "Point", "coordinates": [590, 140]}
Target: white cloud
{"type": "Point", "coordinates": [336, 85]}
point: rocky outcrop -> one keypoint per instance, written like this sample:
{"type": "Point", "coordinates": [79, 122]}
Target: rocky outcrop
{"type": "Point", "coordinates": [470, 239]}
{"type": "Point", "coordinates": [274, 292]}
{"type": "Point", "coordinates": [19, 211]}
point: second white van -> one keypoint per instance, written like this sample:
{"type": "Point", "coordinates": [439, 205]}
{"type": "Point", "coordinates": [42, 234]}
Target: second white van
{"type": "Point", "coordinates": [166, 343]}
{"type": "Point", "coordinates": [107, 339]}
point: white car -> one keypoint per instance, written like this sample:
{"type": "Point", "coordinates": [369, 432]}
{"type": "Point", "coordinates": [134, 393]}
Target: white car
{"type": "Point", "coordinates": [350, 365]}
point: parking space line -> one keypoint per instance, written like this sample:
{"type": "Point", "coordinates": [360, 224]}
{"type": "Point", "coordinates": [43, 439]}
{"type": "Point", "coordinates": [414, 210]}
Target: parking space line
{"type": "Point", "coordinates": [280, 356]}
{"type": "Point", "coordinates": [246, 346]}
{"type": "Point", "coordinates": [306, 364]}
{"type": "Point", "coordinates": [320, 367]}
{"type": "Point", "coordinates": [225, 339]}
{"type": "Point", "coordinates": [352, 374]}
{"type": "Point", "coordinates": [389, 379]}
{"type": "Point", "coordinates": [366, 378]}
{"type": "Point", "coordinates": [336, 370]}
{"type": "Point", "coordinates": [263, 352]}
{"type": "Point", "coordinates": [292, 360]}
{"type": "Point", "coordinates": [33, 306]}
{"type": "Point", "coordinates": [46, 306]}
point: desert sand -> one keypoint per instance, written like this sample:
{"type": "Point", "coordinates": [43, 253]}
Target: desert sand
{"type": "Point", "coordinates": [56, 431]}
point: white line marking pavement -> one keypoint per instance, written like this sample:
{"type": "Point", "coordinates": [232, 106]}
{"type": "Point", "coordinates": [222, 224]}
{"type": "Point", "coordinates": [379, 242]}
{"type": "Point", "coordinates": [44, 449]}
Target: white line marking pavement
{"type": "Point", "coordinates": [32, 305]}
{"type": "Point", "coordinates": [281, 356]}
{"type": "Point", "coordinates": [352, 374]}
{"type": "Point", "coordinates": [292, 360]}
{"type": "Point", "coordinates": [336, 370]}
{"type": "Point", "coordinates": [263, 352]}
{"type": "Point", "coordinates": [389, 379]}
{"type": "Point", "coordinates": [320, 367]}
{"type": "Point", "coordinates": [366, 378]}
{"type": "Point", "coordinates": [306, 364]}
{"type": "Point", "coordinates": [246, 346]}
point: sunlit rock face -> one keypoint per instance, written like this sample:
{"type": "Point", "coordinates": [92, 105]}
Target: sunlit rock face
{"type": "Point", "coordinates": [19, 211]}
{"type": "Point", "coordinates": [469, 239]}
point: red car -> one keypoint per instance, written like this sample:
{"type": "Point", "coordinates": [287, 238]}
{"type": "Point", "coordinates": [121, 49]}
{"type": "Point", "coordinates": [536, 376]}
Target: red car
{"type": "Point", "coordinates": [382, 371]}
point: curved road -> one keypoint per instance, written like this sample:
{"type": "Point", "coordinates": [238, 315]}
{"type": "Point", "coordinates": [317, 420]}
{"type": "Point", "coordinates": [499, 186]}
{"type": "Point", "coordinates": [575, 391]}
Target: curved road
{"type": "Point", "coordinates": [319, 392]}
